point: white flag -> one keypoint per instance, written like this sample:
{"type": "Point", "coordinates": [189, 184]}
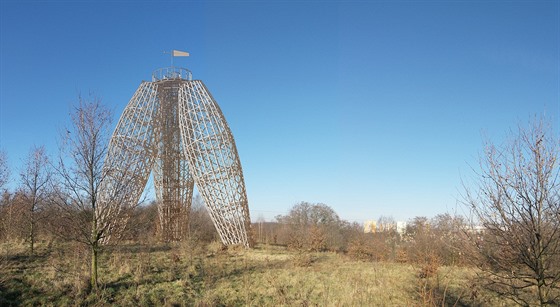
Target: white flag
{"type": "Point", "coordinates": [180, 53]}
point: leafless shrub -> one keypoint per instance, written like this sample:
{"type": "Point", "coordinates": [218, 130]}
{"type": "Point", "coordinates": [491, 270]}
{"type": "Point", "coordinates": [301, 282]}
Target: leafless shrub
{"type": "Point", "coordinates": [92, 194]}
{"type": "Point", "coordinates": [313, 227]}
{"type": "Point", "coordinates": [216, 247]}
{"type": "Point", "coordinates": [429, 266]}
{"type": "Point", "coordinates": [36, 186]}
{"type": "Point", "coordinates": [369, 247]}
{"type": "Point", "coordinates": [4, 170]}
{"type": "Point", "coordinates": [142, 224]}
{"type": "Point", "coordinates": [516, 198]}
{"type": "Point", "coordinates": [303, 259]}
{"type": "Point", "coordinates": [201, 227]}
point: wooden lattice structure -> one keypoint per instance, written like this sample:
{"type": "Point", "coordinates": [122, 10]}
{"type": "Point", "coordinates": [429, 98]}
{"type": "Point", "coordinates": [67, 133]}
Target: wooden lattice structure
{"type": "Point", "coordinates": [174, 128]}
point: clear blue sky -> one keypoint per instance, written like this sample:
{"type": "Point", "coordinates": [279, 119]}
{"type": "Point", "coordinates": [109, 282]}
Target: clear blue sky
{"type": "Point", "coordinates": [372, 107]}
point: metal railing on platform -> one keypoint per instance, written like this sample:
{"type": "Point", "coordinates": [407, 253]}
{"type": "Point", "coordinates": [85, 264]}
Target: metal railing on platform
{"type": "Point", "coordinates": [169, 73]}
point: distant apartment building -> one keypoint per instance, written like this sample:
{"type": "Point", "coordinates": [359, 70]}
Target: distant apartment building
{"type": "Point", "coordinates": [370, 227]}
{"type": "Point", "coordinates": [373, 227]}
{"type": "Point", "coordinates": [476, 229]}
{"type": "Point", "coordinates": [401, 227]}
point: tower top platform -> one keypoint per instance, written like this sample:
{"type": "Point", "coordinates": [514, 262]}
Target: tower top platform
{"type": "Point", "coordinates": [171, 73]}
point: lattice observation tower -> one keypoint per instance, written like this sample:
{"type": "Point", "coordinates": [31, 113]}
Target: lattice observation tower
{"type": "Point", "coordinates": [173, 128]}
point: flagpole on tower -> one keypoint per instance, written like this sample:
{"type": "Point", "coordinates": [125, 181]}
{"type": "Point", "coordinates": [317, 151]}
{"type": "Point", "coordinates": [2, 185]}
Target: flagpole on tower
{"type": "Point", "coordinates": [175, 53]}
{"type": "Point", "coordinates": [170, 55]}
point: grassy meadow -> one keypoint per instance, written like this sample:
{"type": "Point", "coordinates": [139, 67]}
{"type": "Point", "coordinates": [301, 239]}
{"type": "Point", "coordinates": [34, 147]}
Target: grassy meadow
{"type": "Point", "coordinates": [210, 275]}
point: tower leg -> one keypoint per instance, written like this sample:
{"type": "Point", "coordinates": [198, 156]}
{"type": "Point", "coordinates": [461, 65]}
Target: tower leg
{"type": "Point", "coordinates": [129, 161]}
{"type": "Point", "coordinates": [214, 162]}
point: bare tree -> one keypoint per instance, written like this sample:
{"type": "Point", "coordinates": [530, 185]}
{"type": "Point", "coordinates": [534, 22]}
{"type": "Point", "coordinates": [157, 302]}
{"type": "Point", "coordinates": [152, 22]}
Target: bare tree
{"type": "Point", "coordinates": [421, 241]}
{"type": "Point", "coordinates": [93, 196]}
{"type": "Point", "coordinates": [516, 199]}
{"type": "Point", "coordinates": [449, 233]}
{"type": "Point", "coordinates": [35, 179]}
{"type": "Point", "coordinates": [4, 170]}
{"type": "Point", "coordinates": [9, 214]}
{"type": "Point", "coordinates": [4, 195]}
{"type": "Point", "coordinates": [386, 223]}
{"type": "Point", "coordinates": [313, 227]}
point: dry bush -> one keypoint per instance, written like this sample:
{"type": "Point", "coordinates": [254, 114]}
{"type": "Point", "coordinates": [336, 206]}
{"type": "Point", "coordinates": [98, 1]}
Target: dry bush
{"type": "Point", "coordinates": [201, 228]}
{"type": "Point", "coordinates": [369, 247]}
{"type": "Point", "coordinates": [236, 248]}
{"type": "Point", "coordinates": [429, 287]}
{"type": "Point", "coordinates": [12, 217]}
{"type": "Point", "coordinates": [429, 266]}
{"type": "Point", "coordinates": [296, 240]}
{"type": "Point", "coordinates": [362, 249]}
{"type": "Point", "coordinates": [313, 227]}
{"type": "Point", "coordinates": [142, 225]}
{"type": "Point", "coordinates": [216, 247]}
{"type": "Point", "coordinates": [401, 256]}
{"type": "Point", "coordinates": [426, 293]}
{"type": "Point", "coordinates": [317, 238]}
{"type": "Point", "coordinates": [303, 259]}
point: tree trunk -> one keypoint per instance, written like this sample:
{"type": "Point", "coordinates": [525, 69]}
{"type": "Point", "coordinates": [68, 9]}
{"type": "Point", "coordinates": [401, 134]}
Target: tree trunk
{"type": "Point", "coordinates": [32, 235]}
{"type": "Point", "coordinates": [94, 251]}
{"type": "Point", "coordinates": [32, 226]}
{"type": "Point", "coordinates": [93, 280]}
{"type": "Point", "coordinates": [541, 282]}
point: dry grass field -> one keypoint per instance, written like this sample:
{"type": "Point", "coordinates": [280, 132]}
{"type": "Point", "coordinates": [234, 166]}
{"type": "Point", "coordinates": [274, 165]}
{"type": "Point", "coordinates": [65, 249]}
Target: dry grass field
{"type": "Point", "coordinates": [196, 275]}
